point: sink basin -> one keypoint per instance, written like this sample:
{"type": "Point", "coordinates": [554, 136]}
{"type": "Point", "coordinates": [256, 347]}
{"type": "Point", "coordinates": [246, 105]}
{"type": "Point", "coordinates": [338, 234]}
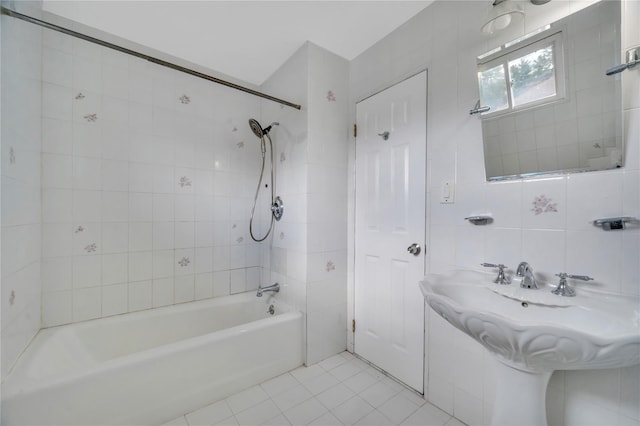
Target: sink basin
{"type": "Point", "coordinates": [533, 332]}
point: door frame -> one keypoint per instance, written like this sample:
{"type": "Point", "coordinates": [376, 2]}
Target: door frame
{"type": "Point", "coordinates": [351, 225]}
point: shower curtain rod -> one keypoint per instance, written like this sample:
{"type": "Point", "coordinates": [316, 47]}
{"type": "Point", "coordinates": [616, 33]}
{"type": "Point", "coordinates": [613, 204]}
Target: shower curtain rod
{"type": "Point", "coordinates": [54, 27]}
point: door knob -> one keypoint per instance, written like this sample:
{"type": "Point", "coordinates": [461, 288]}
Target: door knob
{"type": "Point", "coordinates": [414, 249]}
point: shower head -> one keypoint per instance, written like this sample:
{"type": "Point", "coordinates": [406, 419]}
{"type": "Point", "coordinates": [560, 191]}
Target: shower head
{"type": "Point", "coordinates": [257, 129]}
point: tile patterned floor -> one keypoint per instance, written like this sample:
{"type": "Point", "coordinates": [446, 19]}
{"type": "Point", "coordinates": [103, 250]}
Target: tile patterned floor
{"type": "Point", "coordinates": [341, 390]}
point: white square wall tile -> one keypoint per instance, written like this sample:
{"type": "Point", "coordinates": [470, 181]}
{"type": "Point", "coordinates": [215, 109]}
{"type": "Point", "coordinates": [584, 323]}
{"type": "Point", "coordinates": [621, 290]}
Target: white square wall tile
{"type": "Point", "coordinates": [57, 308]}
{"type": "Point", "coordinates": [140, 295]}
{"type": "Point", "coordinates": [87, 271]}
{"type": "Point", "coordinates": [57, 274]}
{"type": "Point", "coordinates": [115, 299]}
{"type": "Point", "coordinates": [184, 288]}
{"type": "Point", "coordinates": [163, 292]}
{"type": "Point", "coordinates": [87, 303]}
{"type": "Point", "coordinates": [115, 268]}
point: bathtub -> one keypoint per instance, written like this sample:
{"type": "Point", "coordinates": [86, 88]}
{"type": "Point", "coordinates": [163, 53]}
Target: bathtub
{"type": "Point", "coordinates": [152, 366]}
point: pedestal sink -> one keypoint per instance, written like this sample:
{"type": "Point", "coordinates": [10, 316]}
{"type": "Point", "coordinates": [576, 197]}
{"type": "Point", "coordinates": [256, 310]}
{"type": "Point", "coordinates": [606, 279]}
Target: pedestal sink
{"type": "Point", "coordinates": [533, 332]}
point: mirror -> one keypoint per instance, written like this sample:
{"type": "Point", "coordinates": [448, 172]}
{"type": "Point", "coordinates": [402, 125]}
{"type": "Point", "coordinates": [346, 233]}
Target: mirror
{"type": "Point", "coordinates": [562, 117]}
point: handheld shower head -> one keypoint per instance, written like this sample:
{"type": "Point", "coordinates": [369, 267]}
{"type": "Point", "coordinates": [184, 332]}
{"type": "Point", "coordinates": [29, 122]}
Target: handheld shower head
{"type": "Point", "coordinates": [257, 129]}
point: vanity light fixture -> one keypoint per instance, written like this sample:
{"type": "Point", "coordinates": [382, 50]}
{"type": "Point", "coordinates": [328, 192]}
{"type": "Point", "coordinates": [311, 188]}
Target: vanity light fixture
{"type": "Point", "coordinates": [501, 15]}
{"type": "Point", "coordinates": [504, 13]}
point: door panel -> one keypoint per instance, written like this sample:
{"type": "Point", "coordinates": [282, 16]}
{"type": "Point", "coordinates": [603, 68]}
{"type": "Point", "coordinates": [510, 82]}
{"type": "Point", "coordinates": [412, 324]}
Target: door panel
{"type": "Point", "coordinates": [390, 216]}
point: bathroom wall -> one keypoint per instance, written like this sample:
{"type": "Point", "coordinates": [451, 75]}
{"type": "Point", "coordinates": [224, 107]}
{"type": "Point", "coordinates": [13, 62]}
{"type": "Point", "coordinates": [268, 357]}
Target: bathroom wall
{"type": "Point", "coordinates": [21, 207]}
{"type": "Point", "coordinates": [308, 247]}
{"type": "Point", "coordinates": [148, 177]}
{"type": "Point", "coordinates": [545, 221]}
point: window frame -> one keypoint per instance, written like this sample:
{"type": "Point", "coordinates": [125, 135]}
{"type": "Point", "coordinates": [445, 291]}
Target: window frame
{"type": "Point", "coordinates": [508, 52]}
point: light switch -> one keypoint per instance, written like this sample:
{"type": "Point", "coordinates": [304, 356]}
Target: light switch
{"type": "Point", "coordinates": [446, 192]}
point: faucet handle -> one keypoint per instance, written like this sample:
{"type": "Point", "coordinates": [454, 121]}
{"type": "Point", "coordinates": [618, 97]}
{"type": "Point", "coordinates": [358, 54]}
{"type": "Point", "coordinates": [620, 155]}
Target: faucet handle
{"type": "Point", "coordinates": [563, 289]}
{"type": "Point", "coordinates": [493, 265]}
{"type": "Point", "coordinates": [575, 277]}
{"type": "Point", "coordinates": [501, 278]}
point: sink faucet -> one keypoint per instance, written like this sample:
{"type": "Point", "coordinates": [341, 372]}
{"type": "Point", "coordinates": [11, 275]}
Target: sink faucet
{"type": "Point", "coordinates": [525, 271]}
{"type": "Point", "coordinates": [275, 287]}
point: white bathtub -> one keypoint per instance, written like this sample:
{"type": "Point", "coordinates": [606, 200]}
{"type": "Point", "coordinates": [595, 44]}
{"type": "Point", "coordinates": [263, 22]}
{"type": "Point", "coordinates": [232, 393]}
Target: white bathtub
{"type": "Point", "coordinates": [152, 366]}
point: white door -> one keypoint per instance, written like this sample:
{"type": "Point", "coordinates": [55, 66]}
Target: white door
{"type": "Point", "coordinates": [390, 216]}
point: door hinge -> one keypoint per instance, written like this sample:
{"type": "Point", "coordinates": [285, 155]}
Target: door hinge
{"type": "Point", "coordinates": [355, 130]}
{"type": "Point", "coordinates": [353, 326]}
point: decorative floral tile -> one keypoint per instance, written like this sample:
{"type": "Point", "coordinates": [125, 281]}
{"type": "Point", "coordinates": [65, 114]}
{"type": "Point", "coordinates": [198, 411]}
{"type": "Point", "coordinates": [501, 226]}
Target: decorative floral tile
{"type": "Point", "coordinates": [240, 144]}
{"type": "Point", "coordinates": [91, 248]}
{"type": "Point", "coordinates": [79, 229]}
{"type": "Point", "coordinates": [331, 97]}
{"type": "Point", "coordinates": [80, 96]}
{"type": "Point", "coordinates": [12, 156]}
{"type": "Point", "coordinates": [235, 129]}
{"type": "Point", "coordinates": [542, 204]}
{"type": "Point", "coordinates": [184, 181]}
{"type": "Point", "coordinates": [239, 240]}
{"type": "Point", "coordinates": [185, 99]}
{"type": "Point", "coordinates": [91, 118]}
{"type": "Point", "coordinates": [597, 145]}
{"type": "Point", "coordinates": [330, 266]}
{"type": "Point", "coordinates": [184, 262]}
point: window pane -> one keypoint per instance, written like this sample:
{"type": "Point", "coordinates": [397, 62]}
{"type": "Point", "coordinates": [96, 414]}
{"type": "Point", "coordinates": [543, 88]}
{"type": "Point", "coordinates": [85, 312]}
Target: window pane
{"type": "Point", "coordinates": [493, 88]}
{"type": "Point", "coordinates": [533, 76]}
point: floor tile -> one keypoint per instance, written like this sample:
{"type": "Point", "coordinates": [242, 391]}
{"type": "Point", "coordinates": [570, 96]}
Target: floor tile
{"type": "Point", "coordinates": [231, 421]}
{"type": "Point", "coordinates": [375, 418]}
{"type": "Point", "coordinates": [332, 362]}
{"type": "Point", "coordinates": [398, 408]}
{"type": "Point", "coordinates": [348, 369]}
{"type": "Point", "coordinates": [306, 373]}
{"type": "Point", "coordinates": [326, 419]}
{"type": "Point", "coordinates": [258, 414]}
{"type": "Point", "coordinates": [413, 397]}
{"type": "Point", "coordinates": [340, 390]}
{"type": "Point", "coordinates": [352, 410]}
{"type": "Point", "coordinates": [360, 381]}
{"type": "Point", "coordinates": [320, 383]}
{"type": "Point", "coordinates": [292, 397]}
{"type": "Point", "coordinates": [378, 393]}
{"type": "Point", "coordinates": [454, 422]}
{"type": "Point", "coordinates": [427, 415]}
{"type": "Point", "coordinates": [335, 396]}
{"type": "Point", "coordinates": [279, 384]}
{"type": "Point", "coordinates": [280, 420]}
{"type": "Point", "coordinates": [306, 412]}
{"type": "Point", "coordinates": [180, 421]}
{"type": "Point", "coordinates": [210, 414]}
{"type": "Point", "coordinates": [245, 399]}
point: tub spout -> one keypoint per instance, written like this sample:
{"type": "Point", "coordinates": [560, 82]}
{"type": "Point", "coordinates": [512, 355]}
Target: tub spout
{"type": "Point", "coordinates": [275, 287]}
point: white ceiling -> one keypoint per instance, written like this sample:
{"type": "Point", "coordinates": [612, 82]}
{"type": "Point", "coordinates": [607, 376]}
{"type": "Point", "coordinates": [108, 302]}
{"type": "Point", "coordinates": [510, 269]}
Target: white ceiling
{"type": "Point", "coordinates": [248, 40]}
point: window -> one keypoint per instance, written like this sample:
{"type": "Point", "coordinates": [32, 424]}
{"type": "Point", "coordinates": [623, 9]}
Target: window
{"type": "Point", "coordinates": [522, 74]}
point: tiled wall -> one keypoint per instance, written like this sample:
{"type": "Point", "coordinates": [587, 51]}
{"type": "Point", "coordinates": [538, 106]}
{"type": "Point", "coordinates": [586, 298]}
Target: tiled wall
{"type": "Point", "coordinates": [148, 177]}
{"type": "Point", "coordinates": [308, 252]}
{"type": "Point", "coordinates": [21, 98]}
{"type": "Point", "coordinates": [544, 221]}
